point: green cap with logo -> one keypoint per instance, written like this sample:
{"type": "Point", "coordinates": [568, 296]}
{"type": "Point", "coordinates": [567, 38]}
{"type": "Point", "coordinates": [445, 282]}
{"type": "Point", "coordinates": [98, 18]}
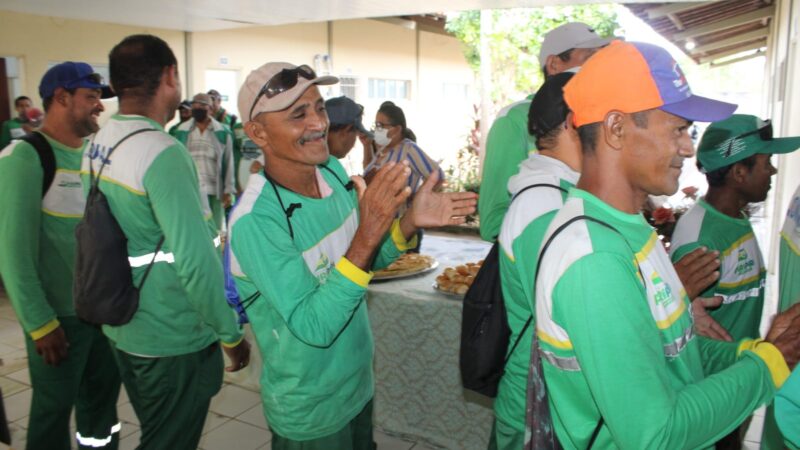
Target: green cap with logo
{"type": "Point", "coordinates": [739, 137]}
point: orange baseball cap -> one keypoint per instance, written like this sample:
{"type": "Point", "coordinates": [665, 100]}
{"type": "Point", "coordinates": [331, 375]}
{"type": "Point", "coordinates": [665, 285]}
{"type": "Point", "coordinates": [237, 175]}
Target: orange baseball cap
{"type": "Point", "coordinates": [636, 76]}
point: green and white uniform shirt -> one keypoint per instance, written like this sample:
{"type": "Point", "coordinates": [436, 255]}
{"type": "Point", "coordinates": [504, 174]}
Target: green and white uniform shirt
{"type": "Point", "coordinates": [615, 330]}
{"type": "Point", "coordinates": [37, 235]}
{"type": "Point", "coordinates": [520, 239]}
{"type": "Point", "coordinates": [310, 320]}
{"type": "Point", "coordinates": [151, 185]}
{"type": "Point", "coordinates": [742, 273]}
{"type": "Point", "coordinates": [245, 153]}
{"type": "Point", "coordinates": [10, 130]}
{"type": "Point", "coordinates": [507, 145]}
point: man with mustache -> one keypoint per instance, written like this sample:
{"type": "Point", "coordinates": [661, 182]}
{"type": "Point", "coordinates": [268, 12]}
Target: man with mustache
{"type": "Point", "coordinates": [735, 156]}
{"type": "Point", "coordinates": [69, 361]}
{"type": "Point", "coordinates": [210, 143]}
{"type": "Point", "coordinates": [304, 242]}
{"type": "Point", "coordinates": [614, 335]}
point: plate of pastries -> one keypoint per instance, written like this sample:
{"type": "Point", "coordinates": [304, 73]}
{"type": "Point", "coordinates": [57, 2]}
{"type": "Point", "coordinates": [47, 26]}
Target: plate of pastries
{"type": "Point", "coordinates": [407, 265]}
{"type": "Point", "coordinates": [457, 280]}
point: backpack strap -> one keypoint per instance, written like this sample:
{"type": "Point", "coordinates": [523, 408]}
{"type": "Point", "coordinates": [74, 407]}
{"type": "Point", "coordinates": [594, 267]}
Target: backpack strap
{"type": "Point", "coordinates": [46, 158]}
{"type": "Point", "coordinates": [530, 318]}
{"type": "Point", "coordinates": [544, 437]}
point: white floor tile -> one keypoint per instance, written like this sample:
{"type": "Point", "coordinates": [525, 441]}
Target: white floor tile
{"type": "Point", "coordinates": [127, 429]}
{"type": "Point", "coordinates": [23, 376]}
{"type": "Point", "coordinates": [131, 441]}
{"type": "Point", "coordinates": [233, 400]}
{"type": "Point", "coordinates": [18, 405]}
{"type": "Point", "coordinates": [123, 396]}
{"type": "Point", "coordinates": [386, 442]}
{"type": "Point", "coordinates": [235, 434]}
{"type": "Point", "coordinates": [213, 421]}
{"type": "Point", "coordinates": [754, 431]}
{"type": "Point", "coordinates": [254, 416]}
{"type": "Point", "coordinates": [125, 412]}
{"type": "Point", "coordinates": [11, 387]}
{"type": "Point", "coordinates": [18, 435]}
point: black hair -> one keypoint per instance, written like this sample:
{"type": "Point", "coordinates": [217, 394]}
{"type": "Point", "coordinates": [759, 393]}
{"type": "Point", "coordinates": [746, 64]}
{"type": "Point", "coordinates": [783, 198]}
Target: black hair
{"type": "Point", "coordinates": [47, 102]}
{"type": "Point", "coordinates": [21, 98]}
{"type": "Point", "coordinates": [563, 56]}
{"type": "Point", "coordinates": [716, 177]}
{"type": "Point", "coordinates": [589, 133]}
{"type": "Point", "coordinates": [398, 118]}
{"type": "Point", "coordinates": [137, 63]}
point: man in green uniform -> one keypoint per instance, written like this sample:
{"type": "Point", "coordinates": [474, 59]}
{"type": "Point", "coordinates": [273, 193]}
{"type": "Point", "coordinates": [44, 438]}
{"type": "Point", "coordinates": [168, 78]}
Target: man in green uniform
{"type": "Point", "coordinates": [210, 144]}
{"type": "Point", "coordinates": [18, 126]}
{"type": "Point", "coordinates": [305, 243]}
{"type": "Point", "coordinates": [70, 362]}
{"type": "Point", "coordinates": [622, 364]}
{"type": "Point", "coordinates": [508, 142]}
{"type": "Point", "coordinates": [169, 354]}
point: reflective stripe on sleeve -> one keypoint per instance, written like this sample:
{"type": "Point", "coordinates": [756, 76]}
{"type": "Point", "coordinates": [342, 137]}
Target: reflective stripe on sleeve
{"type": "Point", "coordinates": [143, 260]}
{"type": "Point", "coordinates": [98, 442]}
{"type": "Point", "coordinates": [674, 348]}
{"type": "Point", "coordinates": [569, 364]}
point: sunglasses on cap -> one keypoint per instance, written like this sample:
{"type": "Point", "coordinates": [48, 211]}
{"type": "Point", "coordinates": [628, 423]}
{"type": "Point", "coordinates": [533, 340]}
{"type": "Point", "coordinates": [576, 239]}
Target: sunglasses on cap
{"type": "Point", "coordinates": [282, 82]}
{"type": "Point", "coordinates": [765, 133]}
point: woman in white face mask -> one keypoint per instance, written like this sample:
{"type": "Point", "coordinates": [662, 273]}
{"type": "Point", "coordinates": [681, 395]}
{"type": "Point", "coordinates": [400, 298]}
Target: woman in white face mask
{"type": "Point", "coordinates": [395, 142]}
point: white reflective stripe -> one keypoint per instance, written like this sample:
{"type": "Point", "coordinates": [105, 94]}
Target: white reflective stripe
{"type": "Point", "coordinates": [569, 364]}
{"type": "Point", "coordinates": [98, 442]}
{"type": "Point", "coordinates": [674, 348]}
{"type": "Point", "coordinates": [143, 260]}
{"type": "Point", "coordinates": [139, 261]}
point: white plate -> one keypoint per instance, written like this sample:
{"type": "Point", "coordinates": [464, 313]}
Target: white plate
{"type": "Point", "coordinates": [380, 277]}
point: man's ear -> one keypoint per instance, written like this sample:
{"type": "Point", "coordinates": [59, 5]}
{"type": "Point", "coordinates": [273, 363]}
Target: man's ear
{"type": "Point", "coordinates": [613, 126]}
{"type": "Point", "coordinates": [739, 173]}
{"type": "Point", "coordinates": [257, 133]}
{"type": "Point", "coordinates": [170, 76]}
{"type": "Point", "coordinates": [552, 65]}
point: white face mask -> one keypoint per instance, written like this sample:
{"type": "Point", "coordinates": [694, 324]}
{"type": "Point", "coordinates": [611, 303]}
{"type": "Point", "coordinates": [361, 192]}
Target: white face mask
{"type": "Point", "coordinates": [382, 138]}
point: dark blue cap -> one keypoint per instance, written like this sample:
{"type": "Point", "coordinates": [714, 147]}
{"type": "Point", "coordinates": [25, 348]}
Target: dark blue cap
{"type": "Point", "coordinates": [72, 75]}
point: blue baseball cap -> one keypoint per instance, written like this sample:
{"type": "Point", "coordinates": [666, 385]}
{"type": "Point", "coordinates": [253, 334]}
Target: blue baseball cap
{"type": "Point", "coordinates": [633, 77]}
{"type": "Point", "coordinates": [344, 111]}
{"type": "Point", "coordinates": [72, 75]}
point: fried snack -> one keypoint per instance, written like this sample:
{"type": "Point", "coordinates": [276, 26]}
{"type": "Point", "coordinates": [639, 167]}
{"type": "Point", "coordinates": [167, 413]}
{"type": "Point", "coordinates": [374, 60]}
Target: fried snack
{"type": "Point", "coordinates": [457, 280]}
{"type": "Point", "coordinates": [406, 264]}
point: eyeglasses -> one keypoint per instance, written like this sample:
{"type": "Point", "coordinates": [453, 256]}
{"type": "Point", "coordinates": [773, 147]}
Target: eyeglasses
{"type": "Point", "coordinates": [383, 126]}
{"type": "Point", "coordinates": [765, 133]}
{"type": "Point", "coordinates": [282, 82]}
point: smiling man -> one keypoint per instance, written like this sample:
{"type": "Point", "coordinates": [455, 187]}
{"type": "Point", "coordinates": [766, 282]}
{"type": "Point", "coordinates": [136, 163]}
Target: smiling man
{"type": "Point", "coordinates": [304, 244]}
{"type": "Point", "coordinates": [70, 362]}
{"type": "Point", "coordinates": [622, 365]}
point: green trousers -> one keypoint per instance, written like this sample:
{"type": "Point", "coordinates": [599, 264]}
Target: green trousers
{"type": "Point", "coordinates": [356, 435]}
{"type": "Point", "coordinates": [87, 380]}
{"type": "Point", "coordinates": [217, 211]}
{"type": "Point", "coordinates": [171, 395]}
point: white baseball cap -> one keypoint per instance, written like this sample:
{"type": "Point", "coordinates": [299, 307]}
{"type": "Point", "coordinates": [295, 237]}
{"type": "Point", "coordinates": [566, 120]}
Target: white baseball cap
{"type": "Point", "coordinates": [568, 36]}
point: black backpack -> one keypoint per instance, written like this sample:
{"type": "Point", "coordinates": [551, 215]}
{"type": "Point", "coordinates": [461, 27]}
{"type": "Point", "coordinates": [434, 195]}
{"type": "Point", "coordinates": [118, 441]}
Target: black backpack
{"type": "Point", "coordinates": [46, 158]}
{"type": "Point", "coordinates": [103, 290]}
{"type": "Point", "coordinates": [485, 333]}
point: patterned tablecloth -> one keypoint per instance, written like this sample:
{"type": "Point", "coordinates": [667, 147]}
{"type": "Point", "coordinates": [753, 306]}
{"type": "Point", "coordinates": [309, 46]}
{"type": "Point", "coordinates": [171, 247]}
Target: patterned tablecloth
{"type": "Point", "coordinates": [417, 333]}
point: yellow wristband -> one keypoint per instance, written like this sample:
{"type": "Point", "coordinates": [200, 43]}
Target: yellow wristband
{"type": "Point", "coordinates": [747, 344]}
{"type": "Point", "coordinates": [399, 240]}
{"type": "Point", "coordinates": [45, 330]}
{"type": "Point", "coordinates": [775, 362]}
{"type": "Point", "coordinates": [353, 273]}
{"type": "Point", "coordinates": [233, 344]}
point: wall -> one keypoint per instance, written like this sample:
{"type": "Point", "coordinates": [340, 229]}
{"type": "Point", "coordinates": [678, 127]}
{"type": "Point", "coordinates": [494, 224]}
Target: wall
{"type": "Point", "coordinates": [39, 40]}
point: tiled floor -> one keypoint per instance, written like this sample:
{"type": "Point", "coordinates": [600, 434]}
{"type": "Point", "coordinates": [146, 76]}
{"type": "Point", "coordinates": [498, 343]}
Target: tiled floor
{"type": "Point", "coordinates": [235, 419]}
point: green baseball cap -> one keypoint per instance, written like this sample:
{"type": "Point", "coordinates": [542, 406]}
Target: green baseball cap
{"type": "Point", "coordinates": [739, 137]}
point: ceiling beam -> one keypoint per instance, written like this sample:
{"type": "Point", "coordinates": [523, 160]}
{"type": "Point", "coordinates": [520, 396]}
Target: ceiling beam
{"type": "Point", "coordinates": [741, 19]}
{"type": "Point", "coordinates": [736, 51]}
{"type": "Point", "coordinates": [672, 8]}
{"type": "Point", "coordinates": [676, 21]}
{"type": "Point", "coordinates": [722, 43]}
{"type": "Point", "coordinates": [736, 60]}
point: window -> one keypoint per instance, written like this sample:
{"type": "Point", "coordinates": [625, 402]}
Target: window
{"type": "Point", "coordinates": [383, 89]}
{"type": "Point", "coordinates": [348, 86]}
